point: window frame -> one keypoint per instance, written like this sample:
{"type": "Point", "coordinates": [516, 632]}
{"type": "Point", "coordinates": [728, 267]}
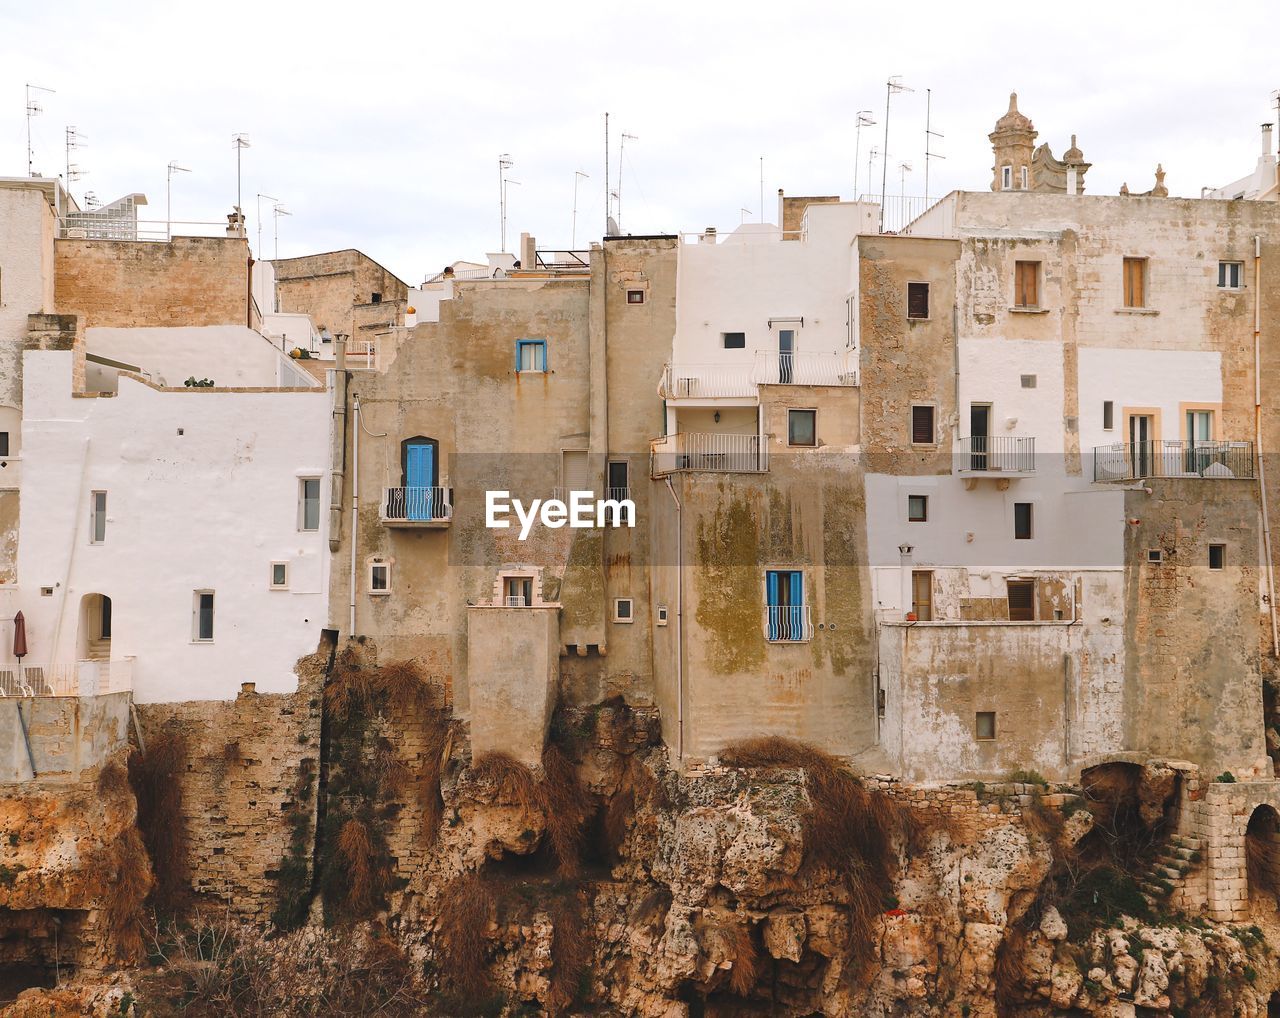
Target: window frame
{"type": "Point", "coordinates": [1020, 272]}
{"type": "Point", "coordinates": [634, 294]}
{"type": "Point", "coordinates": [197, 609]}
{"type": "Point", "coordinates": [1024, 179]}
{"type": "Point", "coordinates": [928, 301]}
{"type": "Point", "coordinates": [924, 509]}
{"type": "Point", "coordinates": [933, 424]}
{"type": "Point", "coordinates": [1108, 415]}
{"type": "Point", "coordinates": [1030, 534]}
{"type": "Point", "coordinates": [927, 576]}
{"type": "Point", "coordinates": [791, 412]}
{"type": "Point", "coordinates": [98, 516]}
{"type": "Point", "coordinates": [302, 504]}
{"type": "Point", "coordinates": [726, 345]}
{"type": "Point", "coordinates": [1132, 301]}
{"type": "Point", "coordinates": [1022, 583]}
{"type": "Point", "coordinates": [539, 357]}
{"type": "Point", "coordinates": [1006, 177]}
{"type": "Point", "coordinates": [271, 574]}
{"type": "Point", "coordinates": [1221, 549]}
{"type": "Point", "coordinates": [630, 615]}
{"type": "Point", "coordinates": [1238, 266]}
{"type": "Point", "coordinates": [374, 566]}
{"type": "Point", "coordinates": [4, 444]}
{"type": "Point", "coordinates": [978, 726]}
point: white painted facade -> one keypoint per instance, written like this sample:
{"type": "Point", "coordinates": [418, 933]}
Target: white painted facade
{"type": "Point", "coordinates": [203, 493]}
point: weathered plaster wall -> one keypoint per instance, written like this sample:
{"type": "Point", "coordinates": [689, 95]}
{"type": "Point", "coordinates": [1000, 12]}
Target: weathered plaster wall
{"type": "Point", "coordinates": [71, 737]}
{"type": "Point", "coordinates": [187, 281]}
{"type": "Point", "coordinates": [336, 289]}
{"type": "Point", "coordinates": [27, 224]}
{"type": "Point", "coordinates": [514, 654]}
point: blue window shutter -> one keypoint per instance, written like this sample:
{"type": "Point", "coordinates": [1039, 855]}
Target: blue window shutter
{"type": "Point", "coordinates": [542, 355]}
{"type": "Point", "coordinates": [797, 588]}
{"type": "Point", "coordinates": [518, 345]}
{"type": "Point", "coordinates": [772, 579]}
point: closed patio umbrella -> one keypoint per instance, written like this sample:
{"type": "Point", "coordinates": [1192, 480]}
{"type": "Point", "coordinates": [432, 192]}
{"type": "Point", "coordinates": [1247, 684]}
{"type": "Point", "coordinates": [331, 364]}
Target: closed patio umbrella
{"type": "Point", "coordinates": [19, 637]}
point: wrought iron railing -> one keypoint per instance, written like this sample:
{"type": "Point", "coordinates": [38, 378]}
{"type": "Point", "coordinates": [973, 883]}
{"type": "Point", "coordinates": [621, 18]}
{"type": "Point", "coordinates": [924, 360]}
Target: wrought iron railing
{"type": "Point", "coordinates": [995, 454]}
{"type": "Point", "coordinates": [805, 368]}
{"type": "Point", "coordinates": [416, 505]}
{"type": "Point", "coordinates": [789, 623]}
{"type": "Point", "coordinates": [74, 678]}
{"type": "Point", "coordinates": [744, 454]}
{"type": "Point", "coordinates": [1126, 461]}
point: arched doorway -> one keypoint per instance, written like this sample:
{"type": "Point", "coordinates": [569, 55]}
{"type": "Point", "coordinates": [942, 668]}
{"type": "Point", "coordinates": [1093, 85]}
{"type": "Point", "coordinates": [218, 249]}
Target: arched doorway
{"type": "Point", "coordinates": [94, 640]}
{"type": "Point", "coordinates": [1262, 854]}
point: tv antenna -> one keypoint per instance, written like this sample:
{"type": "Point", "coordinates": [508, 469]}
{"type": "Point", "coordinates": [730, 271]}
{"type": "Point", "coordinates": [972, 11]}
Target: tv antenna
{"type": "Point", "coordinates": [891, 87]}
{"type": "Point", "coordinates": [622, 148]}
{"type": "Point", "coordinates": [928, 134]}
{"type": "Point", "coordinates": [903, 168]}
{"type": "Point", "coordinates": [74, 140]}
{"type": "Point", "coordinates": [578, 177]}
{"type": "Point", "coordinates": [269, 197]}
{"type": "Point", "coordinates": [278, 211]}
{"type": "Point", "coordinates": [505, 162]}
{"type": "Point", "coordinates": [34, 109]}
{"type": "Point", "coordinates": [240, 142]}
{"type": "Point", "coordinates": [865, 119]}
{"type": "Point", "coordinates": [168, 196]}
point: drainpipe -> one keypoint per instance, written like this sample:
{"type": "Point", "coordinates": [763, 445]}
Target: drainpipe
{"type": "Point", "coordinates": [1257, 432]}
{"type": "Point", "coordinates": [338, 444]}
{"type": "Point", "coordinates": [679, 622]}
{"type": "Point", "coordinates": [355, 508]}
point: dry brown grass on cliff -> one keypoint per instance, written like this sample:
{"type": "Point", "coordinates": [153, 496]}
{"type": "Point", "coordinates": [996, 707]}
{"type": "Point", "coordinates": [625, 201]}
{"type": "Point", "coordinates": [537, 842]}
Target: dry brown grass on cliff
{"type": "Point", "coordinates": [570, 950]}
{"type": "Point", "coordinates": [355, 850]}
{"type": "Point", "coordinates": [731, 941]}
{"type": "Point", "coordinates": [438, 745]}
{"type": "Point", "coordinates": [353, 685]}
{"type": "Point", "coordinates": [466, 908]}
{"type": "Point", "coordinates": [156, 779]}
{"type": "Point", "coordinates": [113, 781]}
{"type": "Point", "coordinates": [566, 805]}
{"type": "Point", "coordinates": [128, 880]}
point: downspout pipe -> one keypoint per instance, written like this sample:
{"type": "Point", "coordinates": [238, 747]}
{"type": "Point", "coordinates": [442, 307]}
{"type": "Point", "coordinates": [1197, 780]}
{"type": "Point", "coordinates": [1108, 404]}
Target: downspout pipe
{"type": "Point", "coordinates": [1257, 438]}
{"type": "Point", "coordinates": [679, 621]}
{"type": "Point", "coordinates": [355, 509]}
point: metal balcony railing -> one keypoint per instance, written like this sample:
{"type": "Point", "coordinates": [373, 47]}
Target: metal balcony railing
{"type": "Point", "coordinates": [1173, 458]}
{"type": "Point", "coordinates": [692, 381]}
{"type": "Point", "coordinates": [364, 355]}
{"type": "Point", "coordinates": [686, 450]}
{"type": "Point", "coordinates": [515, 601]}
{"type": "Point", "coordinates": [788, 623]}
{"type": "Point", "coordinates": [773, 368]}
{"type": "Point", "coordinates": [416, 505]}
{"type": "Point", "coordinates": [76, 678]}
{"type": "Point", "coordinates": [995, 454]}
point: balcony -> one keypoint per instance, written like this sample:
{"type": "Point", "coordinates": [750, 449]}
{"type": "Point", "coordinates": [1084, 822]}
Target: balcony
{"type": "Point", "coordinates": [689, 450]}
{"type": "Point", "coordinates": [77, 678]}
{"type": "Point", "coordinates": [1173, 458]}
{"type": "Point", "coordinates": [416, 507]}
{"type": "Point", "coordinates": [788, 623]}
{"type": "Point", "coordinates": [995, 456]}
{"type": "Point", "coordinates": [767, 367]}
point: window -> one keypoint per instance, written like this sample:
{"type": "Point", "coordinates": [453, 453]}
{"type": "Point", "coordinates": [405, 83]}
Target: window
{"type": "Point", "coordinates": [802, 427]}
{"type": "Point", "coordinates": [1135, 282]}
{"type": "Point", "coordinates": [1155, 555]}
{"type": "Point", "coordinates": [984, 725]}
{"type": "Point", "coordinates": [202, 617]}
{"type": "Point", "coordinates": [1026, 284]}
{"type": "Point", "coordinates": [279, 575]}
{"type": "Point", "coordinates": [917, 300]}
{"type": "Point", "coordinates": [97, 517]}
{"type": "Point", "coordinates": [1006, 178]}
{"type": "Point", "coordinates": [635, 296]}
{"type": "Point", "coordinates": [375, 298]}
{"type": "Point", "coordinates": [1217, 556]}
{"type": "Point", "coordinates": [1229, 275]}
{"type": "Point", "coordinates": [531, 355]}
{"type": "Point", "coordinates": [379, 577]}
{"type": "Point", "coordinates": [4, 443]}
{"type": "Point", "coordinates": [917, 508]}
{"type": "Point", "coordinates": [922, 595]}
{"type": "Point", "coordinates": [734, 340]}
{"type": "Point", "coordinates": [1028, 381]}
{"type": "Point", "coordinates": [1022, 173]}
{"type": "Point", "coordinates": [662, 614]}
{"type": "Point", "coordinates": [787, 615]}
{"type": "Point", "coordinates": [309, 503]}
{"type": "Point", "coordinates": [1022, 521]}
{"type": "Point", "coordinates": [922, 425]}
{"type": "Point", "coordinates": [517, 591]}
{"type": "Point", "coordinates": [622, 609]}
{"type": "Point", "coordinates": [1022, 600]}
{"type": "Point", "coordinates": [1108, 415]}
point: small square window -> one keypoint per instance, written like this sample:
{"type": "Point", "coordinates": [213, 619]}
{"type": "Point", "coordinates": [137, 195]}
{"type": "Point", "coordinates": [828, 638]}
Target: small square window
{"type": "Point", "coordinates": [1108, 415]}
{"type": "Point", "coordinates": [379, 577]}
{"type": "Point", "coordinates": [917, 300]}
{"type": "Point", "coordinates": [622, 609]}
{"type": "Point", "coordinates": [635, 296]}
{"type": "Point", "coordinates": [985, 725]}
{"type": "Point", "coordinates": [922, 432]}
{"type": "Point", "coordinates": [802, 427]}
{"type": "Point", "coordinates": [1155, 555]}
{"type": "Point", "coordinates": [279, 575]}
{"type": "Point", "coordinates": [1230, 274]}
{"type": "Point", "coordinates": [375, 298]}
{"type": "Point", "coordinates": [1217, 556]}
{"type": "Point", "coordinates": [917, 508]}
{"type": "Point", "coordinates": [734, 340]}
{"type": "Point", "coordinates": [1028, 381]}
{"type": "Point", "coordinates": [1022, 521]}
{"type": "Point", "coordinates": [662, 614]}
{"type": "Point", "coordinates": [531, 355]}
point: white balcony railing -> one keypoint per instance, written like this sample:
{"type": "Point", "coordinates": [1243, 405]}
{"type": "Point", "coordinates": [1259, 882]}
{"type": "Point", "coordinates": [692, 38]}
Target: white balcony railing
{"type": "Point", "coordinates": [416, 505]}
{"type": "Point", "coordinates": [364, 355]}
{"type": "Point", "coordinates": [789, 623]}
{"type": "Point", "coordinates": [76, 678]}
{"type": "Point", "coordinates": [690, 450]}
{"type": "Point", "coordinates": [995, 454]}
{"type": "Point", "coordinates": [515, 601]}
{"type": "Point", "coordinates": [773, 368]}
{"type": "Point", "coordinates": [1173, 458]}
{"type": "Point", "coordinates": [767, 367]}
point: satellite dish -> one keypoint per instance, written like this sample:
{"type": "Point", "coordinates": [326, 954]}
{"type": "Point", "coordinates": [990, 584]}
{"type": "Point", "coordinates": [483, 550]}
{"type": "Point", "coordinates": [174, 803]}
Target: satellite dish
{"type": "Point", "coordinates": [612, 229]}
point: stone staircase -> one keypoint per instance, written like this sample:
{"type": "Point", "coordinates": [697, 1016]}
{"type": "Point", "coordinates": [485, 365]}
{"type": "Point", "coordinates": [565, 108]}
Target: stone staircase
{"type": "Point", "coordinates": [1180, 854]}
{"type": "Point", "coordinates": [100, 650]}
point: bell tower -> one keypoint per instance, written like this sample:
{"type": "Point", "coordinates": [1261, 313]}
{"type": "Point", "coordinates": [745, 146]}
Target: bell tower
{"type": "Point", "coordinates": [1012, 143]}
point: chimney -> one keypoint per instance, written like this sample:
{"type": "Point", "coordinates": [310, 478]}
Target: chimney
{"type": "Point", "coordinates": [448, 272]}
{"type": "Point", "coordinates": [340, 351]}
{"type": "Point", "coordinates": [1266, 139]}
{"type": "Point", "coordinates": [528, 251]}
{"type": "Point", "coordinates": [709, 235]}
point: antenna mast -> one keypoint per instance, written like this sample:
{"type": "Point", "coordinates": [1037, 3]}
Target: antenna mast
{"type": "Point", "coordinates": [606, 174]}
{"type": "Point", "coordinates": [929, 133]}
{"type": "Point", "coordinates": [74, 140]}
{"type": "Point", "coordinates": [34, 109]}
{"type": "Point", "coordinates": [622, 149]}
{"type": "Point", "coordinates": [890, 87]}
{"type": "Point", "coordinates": [762, 189]}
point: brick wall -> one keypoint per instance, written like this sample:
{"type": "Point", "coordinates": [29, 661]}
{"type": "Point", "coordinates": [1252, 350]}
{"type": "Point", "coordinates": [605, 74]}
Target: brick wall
{"type": "Point", "coordinates": [122, 284]}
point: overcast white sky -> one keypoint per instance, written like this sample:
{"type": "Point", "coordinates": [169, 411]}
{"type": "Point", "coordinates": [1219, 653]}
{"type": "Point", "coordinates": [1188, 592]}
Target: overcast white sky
{"type": "Point", "coordinates": [379, 124]}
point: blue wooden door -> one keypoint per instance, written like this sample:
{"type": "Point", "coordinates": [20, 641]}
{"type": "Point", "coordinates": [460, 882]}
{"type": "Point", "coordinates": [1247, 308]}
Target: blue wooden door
{"type": "Point", "coordinates": [419, 473]}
